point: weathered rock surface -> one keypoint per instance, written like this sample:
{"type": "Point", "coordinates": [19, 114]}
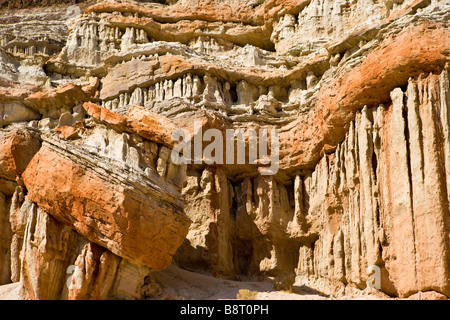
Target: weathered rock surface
{"type": "Point", "coordinates": [91, 201]}
{"type": "Point", "coordinates": [387, 203]}
{"type": "Point", "coordinates": [17, 149]}
{"type": "Point", "coordinates": [138, 217]}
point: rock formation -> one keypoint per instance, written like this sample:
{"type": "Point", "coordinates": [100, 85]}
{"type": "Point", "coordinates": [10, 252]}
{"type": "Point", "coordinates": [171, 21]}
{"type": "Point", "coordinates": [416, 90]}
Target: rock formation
{"type": "Point", "coordinates": [92, 202]}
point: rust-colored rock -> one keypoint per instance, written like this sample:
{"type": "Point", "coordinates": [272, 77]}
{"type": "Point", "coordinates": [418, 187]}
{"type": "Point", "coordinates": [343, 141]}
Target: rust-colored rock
{"type": "Point", "coordinates": [143, 226]}
{"type": "Point", "coordinates": [17, 148]}
{"type": "Point", "coordinates": [67, 133]}
{"type": "Point", "coordinates": [67, 95]}
{"type": "Point", "coordinates": [408, 53]}
{"type": "Point", "coordinates": [357, 205]}
{"type": "Point", "coordinates": [140, 121]}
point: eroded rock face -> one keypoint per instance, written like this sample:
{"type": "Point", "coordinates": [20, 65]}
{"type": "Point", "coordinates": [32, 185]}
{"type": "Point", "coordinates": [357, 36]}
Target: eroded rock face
{"type": "Point", "coordinates": [135, 216]}
{"type": "Point", "coordinates": [386, 181]}
{"type": "Point", "coordinates": [18, 147]}
{"type": "Point", "coordinates": [91, 201]}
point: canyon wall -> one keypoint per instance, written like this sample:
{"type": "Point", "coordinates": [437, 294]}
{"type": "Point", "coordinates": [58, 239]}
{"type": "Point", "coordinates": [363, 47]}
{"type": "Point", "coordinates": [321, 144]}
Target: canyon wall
{"type": "Point", "coordinates": [91, 201]}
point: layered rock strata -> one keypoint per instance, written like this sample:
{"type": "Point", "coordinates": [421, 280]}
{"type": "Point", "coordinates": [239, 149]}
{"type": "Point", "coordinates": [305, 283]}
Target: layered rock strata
{"type": "Point", "coordinates": [93, 208]}
{"type": "Point", "coordinates": [358, 91]}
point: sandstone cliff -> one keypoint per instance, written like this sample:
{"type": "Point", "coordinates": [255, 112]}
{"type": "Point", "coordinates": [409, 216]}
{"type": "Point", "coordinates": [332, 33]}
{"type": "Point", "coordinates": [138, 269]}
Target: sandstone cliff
{"type": "Point", "coordinates": [91, 202]}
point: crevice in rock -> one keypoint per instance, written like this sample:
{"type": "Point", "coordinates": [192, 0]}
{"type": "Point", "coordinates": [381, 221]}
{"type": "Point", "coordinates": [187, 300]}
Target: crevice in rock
{"type": "Point", "coordinates": [409, 177]}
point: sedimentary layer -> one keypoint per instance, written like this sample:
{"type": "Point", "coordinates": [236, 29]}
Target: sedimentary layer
{"type": "Point", "coordinates": [359, 94]}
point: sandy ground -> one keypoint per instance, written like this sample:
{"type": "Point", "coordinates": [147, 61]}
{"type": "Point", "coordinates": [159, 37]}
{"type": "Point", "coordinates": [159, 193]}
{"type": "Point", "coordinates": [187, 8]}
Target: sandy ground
{"type": "Point", "coordinates": [179, 284]}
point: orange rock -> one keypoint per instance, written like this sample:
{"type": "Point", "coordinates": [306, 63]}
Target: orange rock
{"type": "Point", "coordinates": [143, 122]}
{"type": "Point", "coordinates": [421, 48]}
{"type": "Point", "coordinates": [143, 224]}
{"type": "Point", "coordinates": [206, 10]}
{"type": "Point", "coordinates": [182, 21]}
{"type": "Point", "coordinates": [67, 132]}
{"type": "Point", "coordinates": [17, 148]}
{"type": "Point", "coordinates": [69, 95]}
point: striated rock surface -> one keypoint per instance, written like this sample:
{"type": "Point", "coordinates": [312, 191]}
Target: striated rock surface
{"type": "Point", "coordinates": [387, 203]}
{"type": "Point", "coordinates": [132, 215]}
{"type": "Point", "coordinates": [357, 92]}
